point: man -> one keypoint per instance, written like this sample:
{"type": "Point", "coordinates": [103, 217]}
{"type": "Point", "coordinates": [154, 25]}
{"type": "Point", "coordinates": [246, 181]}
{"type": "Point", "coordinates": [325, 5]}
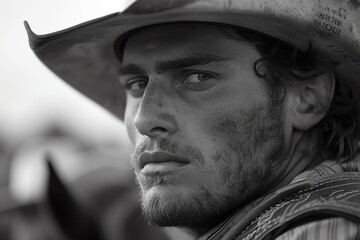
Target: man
{"type": "Point", "coordinates": [244, 114]}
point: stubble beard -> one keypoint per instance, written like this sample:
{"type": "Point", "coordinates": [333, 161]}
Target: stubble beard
{"type": "Point", "coordinates": [254, 139]}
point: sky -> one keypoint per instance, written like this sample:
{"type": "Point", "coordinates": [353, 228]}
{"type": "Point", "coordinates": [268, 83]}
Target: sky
{"type": "Point", "coordinates": [30, 95]}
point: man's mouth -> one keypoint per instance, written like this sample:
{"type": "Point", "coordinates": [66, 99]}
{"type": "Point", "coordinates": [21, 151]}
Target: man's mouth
{"type": "Point", "coordinates": [160, 163]}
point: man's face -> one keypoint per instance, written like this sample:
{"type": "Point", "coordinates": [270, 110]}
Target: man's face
{"type": "Point", "coordinates": [207, 138]}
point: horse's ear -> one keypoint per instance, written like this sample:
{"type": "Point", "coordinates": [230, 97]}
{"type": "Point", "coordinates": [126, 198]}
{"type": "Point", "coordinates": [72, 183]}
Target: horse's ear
{"type": "Point", "coordinates": [72, 218]}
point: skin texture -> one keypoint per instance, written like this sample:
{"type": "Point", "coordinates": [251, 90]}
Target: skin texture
{"type": "Point", "coordinates": [192, 93]}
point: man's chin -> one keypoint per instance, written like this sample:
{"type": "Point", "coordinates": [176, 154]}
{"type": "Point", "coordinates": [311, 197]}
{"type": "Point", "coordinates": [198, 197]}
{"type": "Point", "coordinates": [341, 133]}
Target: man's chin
{"type": "Point", "coordinates": [166, 205]}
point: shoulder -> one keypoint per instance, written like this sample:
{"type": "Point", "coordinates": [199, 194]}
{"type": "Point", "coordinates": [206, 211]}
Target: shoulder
{"type": "Point", "coordinates": [309, 204]}
{"type": "Point", "coordinates": [332, 228]}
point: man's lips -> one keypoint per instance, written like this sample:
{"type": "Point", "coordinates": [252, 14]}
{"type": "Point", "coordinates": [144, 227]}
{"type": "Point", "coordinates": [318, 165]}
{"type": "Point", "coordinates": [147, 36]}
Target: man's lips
{"type": "Point", "coordinates": [160, 157]}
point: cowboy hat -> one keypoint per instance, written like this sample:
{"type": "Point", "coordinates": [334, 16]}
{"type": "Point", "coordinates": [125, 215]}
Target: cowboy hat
{"type": "Point", "coordinates": [84, 56]}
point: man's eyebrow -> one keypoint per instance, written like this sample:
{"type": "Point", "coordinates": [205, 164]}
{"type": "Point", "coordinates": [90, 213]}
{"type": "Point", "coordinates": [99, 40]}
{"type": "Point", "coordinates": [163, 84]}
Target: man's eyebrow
{"type": "Point", "coordinates": [131, 69]}
{"type": "Point", "coordinates": [168, 65]}
{"type": "Point", "coordinates": [193, 60]}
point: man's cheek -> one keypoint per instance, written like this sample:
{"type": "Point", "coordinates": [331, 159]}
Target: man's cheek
{"type": "Point", "coordinates": [129, 119]}
{"type": "Point", "coordinates": [225, 132]}
{"type": "Point", "coordinates": [131, 131]}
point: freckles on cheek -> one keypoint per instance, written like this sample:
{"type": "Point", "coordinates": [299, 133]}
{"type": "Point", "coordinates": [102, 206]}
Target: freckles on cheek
{"type": "Point", "coordinates": [207, 125]}
{"type": "Point", "coordinates": [225, 126]}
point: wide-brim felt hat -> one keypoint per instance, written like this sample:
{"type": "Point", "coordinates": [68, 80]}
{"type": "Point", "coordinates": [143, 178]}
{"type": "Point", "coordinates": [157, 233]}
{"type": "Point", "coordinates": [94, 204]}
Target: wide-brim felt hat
{"type": "Point", "coordinates": [86, 55]}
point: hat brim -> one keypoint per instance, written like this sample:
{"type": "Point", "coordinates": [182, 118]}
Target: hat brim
{"type": "Point", "coordinates": [85, 58]}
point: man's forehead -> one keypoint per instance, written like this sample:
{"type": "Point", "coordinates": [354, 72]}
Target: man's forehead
{"type": "Point", "coordinates": [172, 33]}
{"type": "Point", "coordinates": [176, 40]}
{"type": "Point", "coordinates": [182, 44]}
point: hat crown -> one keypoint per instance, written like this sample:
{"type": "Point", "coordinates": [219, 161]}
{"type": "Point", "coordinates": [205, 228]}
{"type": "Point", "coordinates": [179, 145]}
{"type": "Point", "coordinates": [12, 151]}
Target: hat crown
{"type": "Point", "coordinates": [153, 6]}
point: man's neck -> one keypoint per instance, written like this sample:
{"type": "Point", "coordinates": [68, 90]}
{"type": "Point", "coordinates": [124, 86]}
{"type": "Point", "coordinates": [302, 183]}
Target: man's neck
{"type": "Point", "coordinates": [304, 154]}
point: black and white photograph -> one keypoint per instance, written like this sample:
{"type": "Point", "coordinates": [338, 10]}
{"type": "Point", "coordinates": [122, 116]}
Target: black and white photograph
{"type": "Point", "coordinates": [180, 120]}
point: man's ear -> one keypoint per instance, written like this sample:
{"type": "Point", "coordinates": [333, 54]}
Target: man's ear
{"type": "Point", "coordinates": [310, 98]}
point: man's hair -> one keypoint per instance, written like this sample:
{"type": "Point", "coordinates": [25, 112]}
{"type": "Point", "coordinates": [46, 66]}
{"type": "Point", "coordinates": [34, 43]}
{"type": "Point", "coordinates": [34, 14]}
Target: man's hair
{"type": "Point", "coordinates": [339, 131]}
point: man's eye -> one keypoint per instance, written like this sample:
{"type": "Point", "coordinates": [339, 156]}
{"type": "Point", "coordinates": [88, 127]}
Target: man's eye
{"type": "Point", "coordinates": [136, 84]}
{"type": "Point", "coordinates": [197, 78]}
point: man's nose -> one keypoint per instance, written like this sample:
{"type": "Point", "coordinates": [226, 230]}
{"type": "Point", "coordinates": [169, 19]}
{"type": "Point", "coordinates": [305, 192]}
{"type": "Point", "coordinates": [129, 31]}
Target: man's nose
{"type": "Point", "coordinates": [154, 117]}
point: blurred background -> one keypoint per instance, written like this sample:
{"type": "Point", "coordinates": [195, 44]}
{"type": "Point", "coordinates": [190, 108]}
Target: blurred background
{"type": "Point", "coordinates": [41, 120]}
